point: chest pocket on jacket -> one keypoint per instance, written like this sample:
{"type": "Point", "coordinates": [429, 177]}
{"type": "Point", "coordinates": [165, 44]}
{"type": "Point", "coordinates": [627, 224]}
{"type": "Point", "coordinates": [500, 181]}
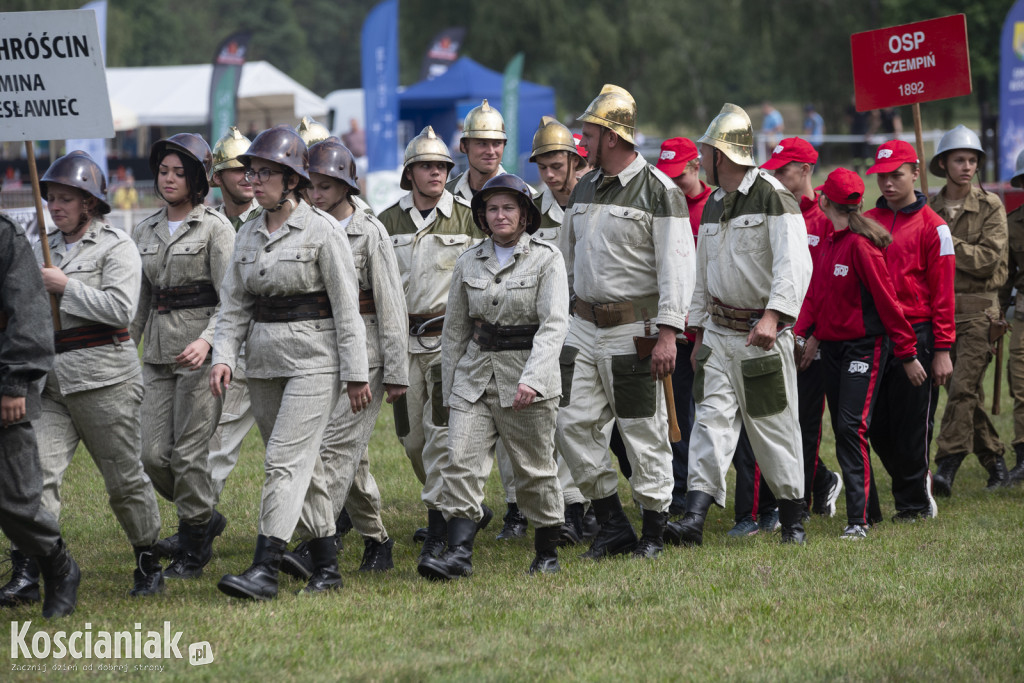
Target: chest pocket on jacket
{"type": "Point", "coordinates": [521, 296]}
{"type": "Point", "coordinates": [547, 234]}
{"type": "Point", "coordinates": [627, 226]}
{"type": "Point", "coordinates": [188, 261]}
{"type": "Point", "coordinates": [446, 249]}
{"type": "Point", "coordinates": [86, 271]}
{"type": "Point", "coordinates": [748, 233]}
{"type": "Point", "coordinates": [402, 245]}
{"type": "Point", "coordinates": [711, 235]}
{"type": "Point", "coordinates": [296, 270]}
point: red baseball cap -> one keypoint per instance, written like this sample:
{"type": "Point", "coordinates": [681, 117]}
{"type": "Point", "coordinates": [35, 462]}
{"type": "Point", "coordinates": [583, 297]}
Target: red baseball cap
{"type": "Point", "coordinates": [791, 149]}
{"type": "Point", "coordinates": [675, 154]}
{"type": "Point", "coordinates": [579, 148]}
{"type": "Point", "coordinates": [892, 155]}
{"type": "Point", "coordinates": [843, 186]}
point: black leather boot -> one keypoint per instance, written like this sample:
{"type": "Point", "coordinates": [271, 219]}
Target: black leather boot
{"type": "Point", "coordinates": [61, 577]}
{"type": "Point", "coordinates": [437, 532]}
{"type": "Point", "coordinates": [457, 560]}
{"type": "Point", "coordinates": [325, 566]}
{"type": "Point", "coordinates": [545, 543]}
{"type": "Point", "coordinates": [652, 535]}
{"type": "Point", "coordinates": [24, 584]}
{"type": "Point", "coordinates": [791, 516]}
{"type": "Point", "coordinates": [690, 529]}
{"type": "Point", "coordinates": [377, 556]}
{"type": "Point", "coordinates": [572, 530]}
{"type": "Point", "coordinates": [590, 524]}
{"type": "Point", "coordinates": [945, 472]}
{"type": "Point", "coordinates": [148, 575]}
{"type": "Point", "coordinates": [515, 524]}
{"type": "Point", "coordinates": [188, 563]}
{"type": "Point", "coordinates": [214, 528]}
{"type": "Point", "coordinates": [1016, 475]}
{"type": "Point", "coordinates": [259, 581]}
{"type": "Point", "coordinates": [997, 474]}
{"type": "Point", "coordinates": [616, 535]}
{"type": "Point", "coordinates": [298, 562]}
{"type": "Point", "coordinates": [166, 548]}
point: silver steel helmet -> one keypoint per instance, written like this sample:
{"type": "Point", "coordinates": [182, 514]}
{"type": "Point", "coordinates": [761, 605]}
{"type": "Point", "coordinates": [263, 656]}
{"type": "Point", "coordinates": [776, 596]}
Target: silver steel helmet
{"type": "Point", "coordinates": [511, 184]}
{"type": "Point", "coordinates": [960, 137]}
{"type": "Point", "coordinates": [1018, 174]}
{"type": "Point", "coordinates": [333, 159]}
{"type": "Point", "coordinates": [77, 169]}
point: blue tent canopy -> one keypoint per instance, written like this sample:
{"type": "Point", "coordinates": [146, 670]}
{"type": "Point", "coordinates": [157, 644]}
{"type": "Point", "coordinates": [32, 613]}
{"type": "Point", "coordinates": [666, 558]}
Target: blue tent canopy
{"type": "Point", "coordinates": [437, 102]}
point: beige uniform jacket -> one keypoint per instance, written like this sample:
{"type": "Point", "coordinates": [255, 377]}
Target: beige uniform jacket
{"type": "Point", "coordinates": [628, 237]}
{"type": "Point", "coordinates": [551, 216]}
{"type": "Point", "coordinates": [387, 330]}
{"type": "Point", "coordinates": [529, 290]}
{"type": "Point", "coordinates": [307, 254]}
{"type": "Point", "coordinates": [426, 249]}
{"type": "Point", "coordinates": [197, 253]}
{"type": "Point", "coordinates": [244, 217]}
{"type": "Point", "coordinates": [104, 272]}
{"type": "Point", "coordinates": [980, 240]}
{"type": "Point", "coordinates": [751, 251]}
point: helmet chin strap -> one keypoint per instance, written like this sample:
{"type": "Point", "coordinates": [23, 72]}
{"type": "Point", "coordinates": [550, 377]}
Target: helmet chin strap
{"type": "Point", "coordinates": [286, 198]}
{"type": "Point", "coordinates": [714, 167]}
{"type": "Point", "coordinates": [79, 227]}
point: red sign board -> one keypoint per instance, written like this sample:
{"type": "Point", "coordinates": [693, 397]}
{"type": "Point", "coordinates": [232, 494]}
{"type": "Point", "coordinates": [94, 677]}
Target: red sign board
{"type": "Point", "coordinates": [919, 62]}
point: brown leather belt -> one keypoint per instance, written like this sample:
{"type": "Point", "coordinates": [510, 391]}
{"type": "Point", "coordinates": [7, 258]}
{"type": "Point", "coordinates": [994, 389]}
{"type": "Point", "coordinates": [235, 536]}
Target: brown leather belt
{"type": "Point", "coordinates": [167, 299]}
{"type": "Point", "coordinates": [89, 336]}
{"type": "Point", "coordinates": [619, 313]}
{"type": "Point", "coordinates": [419, 327]}
{"type": "Point", "coordinates": [739, 319]}
{"type": "Point", "coordinates": [503, 337]}
{"type": "Point", "coordinates": [286, 309]}
{"type": "Point", "coordinates": [367, 306]}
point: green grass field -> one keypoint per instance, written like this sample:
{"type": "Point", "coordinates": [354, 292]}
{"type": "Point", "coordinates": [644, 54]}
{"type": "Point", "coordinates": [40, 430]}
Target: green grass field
{"type": "Point", "coordinates": [937, 600]}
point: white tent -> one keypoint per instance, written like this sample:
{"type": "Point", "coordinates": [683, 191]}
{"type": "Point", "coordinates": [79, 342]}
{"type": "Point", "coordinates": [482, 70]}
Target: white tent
{"type": "Point", "coordinates": [178, 96]}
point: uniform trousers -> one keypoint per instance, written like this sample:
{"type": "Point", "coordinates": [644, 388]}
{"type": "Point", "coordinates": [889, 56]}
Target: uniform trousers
{"type": "Point", "coordinates": [528, 435]}
{"type": "Point", "coordinates": [344, 453]}
{"type": "Point", "coordinates": [753, 495]}
{"type": "Point", "coordinates": [106, 420]}
{"type": "Point", "coordinates": [570, 492]}
{"type": "Point", "coordinates": [421, 421]}
{"type": "Point", "coordinates": [609, 383]}
{"type": "Point", "coordinates": [179, 417]}
{"type": "Point", "coordinates": [23, 518]}
{"type": "Point", "coordinates": [853, 371]}
{"type": "Point", "coordinates": [236, 421]}
{"type": "Point", "coordinates": [292, 414]}
{"type": "Point", "coordinates": [1015, 376]}
{"type": "Point", "coordinates": [901, 431]}
{"type": "Point", "coordinates": [737, 384]}
{"type": "Point", "coordinates": [966, 427]}
{"type": "Point", "coordinates": [810, 387]}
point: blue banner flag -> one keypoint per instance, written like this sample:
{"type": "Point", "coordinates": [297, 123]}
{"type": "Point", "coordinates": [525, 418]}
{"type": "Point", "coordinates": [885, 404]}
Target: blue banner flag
{"type": "Point", "coordinates": [1011, 91]}
{"type": "Point", "coordinates": [380, 83]}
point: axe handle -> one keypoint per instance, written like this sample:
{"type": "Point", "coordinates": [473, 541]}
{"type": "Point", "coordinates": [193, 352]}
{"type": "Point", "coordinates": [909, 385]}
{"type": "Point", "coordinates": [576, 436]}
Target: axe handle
{"type": "Point", "coordinates": [997, 384]}
{"type": "Point", "coordinates": [674, 435]}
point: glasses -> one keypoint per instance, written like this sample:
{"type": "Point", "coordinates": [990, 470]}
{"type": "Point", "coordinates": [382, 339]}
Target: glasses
{"type": "Point", "coordinates": [263, 174]}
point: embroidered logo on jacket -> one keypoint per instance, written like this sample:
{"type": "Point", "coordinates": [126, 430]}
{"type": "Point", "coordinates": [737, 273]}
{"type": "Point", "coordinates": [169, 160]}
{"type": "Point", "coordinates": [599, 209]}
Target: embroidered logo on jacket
{"type": "Point", "coordinates": [812, 240]}
{"type": "Point", "coordinates": [858, 367]}
{"type": "Point", "coordinates": [841, 270]}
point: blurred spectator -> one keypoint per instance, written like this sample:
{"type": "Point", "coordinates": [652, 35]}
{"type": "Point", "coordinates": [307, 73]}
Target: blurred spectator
{"type": "Point", "coordinates": [814, 126]}
{"type": "Point", "coordinates": [773, 124]}
{"type": "Point", "coordinates": [126, 197]}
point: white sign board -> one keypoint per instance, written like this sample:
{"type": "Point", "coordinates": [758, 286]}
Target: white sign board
{"type": "Point", "coordinates": [52, 81]}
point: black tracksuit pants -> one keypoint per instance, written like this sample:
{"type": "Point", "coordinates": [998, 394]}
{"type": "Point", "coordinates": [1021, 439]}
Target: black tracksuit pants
{"type": "Point", "coordinates": [853, 372]}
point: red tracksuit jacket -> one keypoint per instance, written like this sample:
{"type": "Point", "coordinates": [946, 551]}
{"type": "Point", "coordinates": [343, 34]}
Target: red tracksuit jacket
{"type": "Point", "coordinates": [852, 296]}
{"type": "Point", "coordinates": [921, 264]}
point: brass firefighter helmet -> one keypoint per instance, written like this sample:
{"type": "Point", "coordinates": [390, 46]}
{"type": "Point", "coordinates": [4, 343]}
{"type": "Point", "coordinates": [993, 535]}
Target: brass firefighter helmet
{"type": "Point", "coordinates": [615, 109]}
{"type": "Point", "coordinates": [484, 122]}
{"type": "Point", "coordinates": [227, 149]}
{"type": "Point", "coordinates": [333, 159]}
{"type": "Point", "coordinates": [552, 136]}
{"type": "Point", "coordinates": [77, 169]}
{"type": "Point", "coordinates": [425, 147]}
{"type": "Point", "coordinates": [731, 134]}
{"type": "Point", "coordinates": [312, 131]}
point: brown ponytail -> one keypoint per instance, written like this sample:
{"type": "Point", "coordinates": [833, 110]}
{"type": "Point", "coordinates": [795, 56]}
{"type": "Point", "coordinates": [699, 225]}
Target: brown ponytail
{"type": "Point", "coordinates": [862, 225]}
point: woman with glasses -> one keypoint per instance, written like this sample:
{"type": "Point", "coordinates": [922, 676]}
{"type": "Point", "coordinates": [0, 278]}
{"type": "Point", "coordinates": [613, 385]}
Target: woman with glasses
{"type": "Point", "coordinates": [185, 249]}
{"type": "Point", "coordinates": [291, 295]}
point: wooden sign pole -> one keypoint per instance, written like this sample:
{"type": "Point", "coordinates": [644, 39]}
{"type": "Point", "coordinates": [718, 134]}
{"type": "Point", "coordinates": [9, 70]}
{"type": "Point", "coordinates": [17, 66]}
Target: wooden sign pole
{"type": "Point", "coordinates": [44, 240]}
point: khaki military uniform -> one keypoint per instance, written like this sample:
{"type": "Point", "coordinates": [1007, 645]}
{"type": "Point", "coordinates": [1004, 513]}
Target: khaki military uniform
{"type": "Point", "coordinates": [980, 245]}
{"type": "Point", "coordinates": [236, 418]}
{"type": "Point", "coordinates": [345, 448]}
{"type": "Point", "coordinates": [179, 414]}
{"type": "Point", "coordinates": [1015, 280]}
{"type": "Point", "coordinates": [480, 385]}
{"type": "Point", "coordinates": [93, 395]}
{"type": "Point", "coordinates": [751, 255]}
{"type": "Point", "coordinates": [293, 367]}
{"type": "Point", "coordinates": [627, 248]}
{"type": "Point", "coordinates": [426, 249]}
